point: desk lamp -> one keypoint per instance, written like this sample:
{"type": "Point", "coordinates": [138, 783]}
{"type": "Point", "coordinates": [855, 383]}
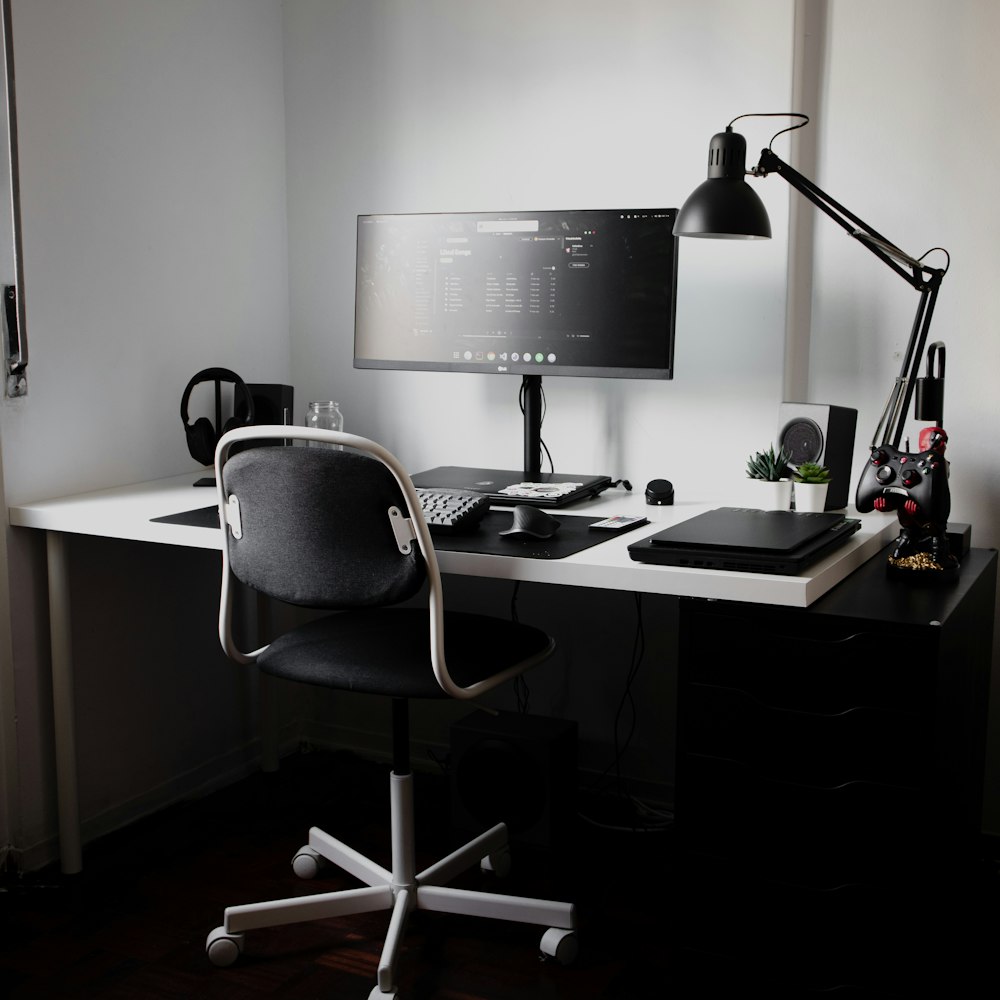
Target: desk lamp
{"type": "Point", "coordinates": [914, 484]}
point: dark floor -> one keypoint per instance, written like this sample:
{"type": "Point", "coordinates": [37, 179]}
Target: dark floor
{"type": "Point", "coordinates": [133, 925]}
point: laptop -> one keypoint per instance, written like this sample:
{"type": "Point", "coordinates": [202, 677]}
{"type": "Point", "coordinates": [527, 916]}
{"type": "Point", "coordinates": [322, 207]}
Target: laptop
{"type": "Point", "coordinates": [748, 541]}
{"type": "Point", "coordinates": [507, 487]}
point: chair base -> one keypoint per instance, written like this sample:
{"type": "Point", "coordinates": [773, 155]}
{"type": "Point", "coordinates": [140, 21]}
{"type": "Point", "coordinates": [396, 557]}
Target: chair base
{"type": "Point", "coordinates": [400, 890]}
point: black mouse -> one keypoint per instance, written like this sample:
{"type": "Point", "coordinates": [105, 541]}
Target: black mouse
{"type": "Point", "coordinates": [532, 522]}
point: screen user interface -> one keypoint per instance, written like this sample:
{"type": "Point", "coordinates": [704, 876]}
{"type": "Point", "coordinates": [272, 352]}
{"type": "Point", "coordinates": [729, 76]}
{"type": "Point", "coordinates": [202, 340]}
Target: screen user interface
{"type": "Point", "coordinates": [587, 292]}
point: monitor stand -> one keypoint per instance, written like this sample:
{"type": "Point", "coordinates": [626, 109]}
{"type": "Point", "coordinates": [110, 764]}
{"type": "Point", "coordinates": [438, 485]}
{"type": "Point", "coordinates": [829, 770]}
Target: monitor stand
{"type": "Point", "coordinates": [529, 486]}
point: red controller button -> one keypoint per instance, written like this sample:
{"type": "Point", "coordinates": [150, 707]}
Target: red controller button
{"type": "Point", "coordinates": [911, 506]}
{"type": "Point", "coordinates": [881, 503]}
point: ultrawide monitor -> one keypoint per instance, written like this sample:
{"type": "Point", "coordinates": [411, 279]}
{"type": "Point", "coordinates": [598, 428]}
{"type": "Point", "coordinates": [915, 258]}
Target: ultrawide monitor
{"type": "Point", "coordinates": [589, 292]}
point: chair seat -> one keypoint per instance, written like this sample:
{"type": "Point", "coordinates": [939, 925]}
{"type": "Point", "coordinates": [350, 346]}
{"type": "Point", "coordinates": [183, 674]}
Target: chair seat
{"type": "Point", "coordinates": [386, 651]}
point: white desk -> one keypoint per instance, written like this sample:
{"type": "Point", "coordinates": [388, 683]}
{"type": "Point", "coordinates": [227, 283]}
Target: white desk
{"type": "Point", "coordinates": [125, 512]}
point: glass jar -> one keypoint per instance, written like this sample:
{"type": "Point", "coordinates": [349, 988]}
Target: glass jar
{"type": "Point", "coordinates": [325, 415]}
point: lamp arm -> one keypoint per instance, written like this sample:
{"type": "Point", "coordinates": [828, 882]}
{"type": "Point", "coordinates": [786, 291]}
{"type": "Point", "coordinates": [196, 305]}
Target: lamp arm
{"type": "Point", "coordinates": [919, 274]}
{"type": "Point", "coordinates": [893, 419]}
{"type": "Point", "coordinates": [926, 280]}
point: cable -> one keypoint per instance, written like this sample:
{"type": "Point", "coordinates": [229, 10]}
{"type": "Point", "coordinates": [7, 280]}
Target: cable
{"type": "Point", "coordinates": [522, 691]}
{"type": "Point", "coordinates": [651, 819]}
{"type": "Point", "coordinates": [638, 650]}
{"type": "Point", "coordinates": [774, 114]}
{"type": "Point", "coordinates": [541, 441]}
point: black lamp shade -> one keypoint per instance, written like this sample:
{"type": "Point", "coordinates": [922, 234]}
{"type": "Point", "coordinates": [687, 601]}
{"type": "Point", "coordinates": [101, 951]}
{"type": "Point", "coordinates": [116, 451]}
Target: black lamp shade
{"type": "Point", "coordinates": [724, 206]}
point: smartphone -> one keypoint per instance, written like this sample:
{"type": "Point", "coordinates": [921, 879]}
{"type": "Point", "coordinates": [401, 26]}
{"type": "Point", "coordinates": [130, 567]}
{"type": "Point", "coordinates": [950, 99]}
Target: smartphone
{"type": "Point", "coordinates": [618, 523]}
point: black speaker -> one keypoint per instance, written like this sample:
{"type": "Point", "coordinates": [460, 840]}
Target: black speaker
{"type": "Point", "coordinates": [516, 769]}
{"type": "Point", "coordinates": [272, 404]}
{"type": "Point", "coordinates": [819, 432]}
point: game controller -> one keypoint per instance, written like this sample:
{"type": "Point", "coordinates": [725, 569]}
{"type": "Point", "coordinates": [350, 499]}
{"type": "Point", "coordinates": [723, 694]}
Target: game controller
{"type": "Point", "coordinates": [915, 485]}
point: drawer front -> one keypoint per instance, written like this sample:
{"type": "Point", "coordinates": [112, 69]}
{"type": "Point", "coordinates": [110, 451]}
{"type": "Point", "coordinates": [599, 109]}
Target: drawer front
{"type": "Point", "coordinates": [830, 668]}
{"type": "Point", "coordinates": [857, 831]}
{"type": "Point", "coordinates": [806, 941]}
{"type": "Point", "coordinates": [825, 749]}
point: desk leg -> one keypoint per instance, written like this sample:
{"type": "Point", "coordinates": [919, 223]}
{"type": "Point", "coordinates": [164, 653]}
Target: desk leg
{"type": "Point", "coordinates": [60, 635]}
{"type": "Point", "coordinates": [267, 693]}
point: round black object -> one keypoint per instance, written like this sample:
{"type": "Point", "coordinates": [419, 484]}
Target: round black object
{"type": "Point", "coordinates": [802, 440]}
{"type": "Point", "coordinates": [499, 782]}
{"type": "Point", "coordinates": [660, 492]}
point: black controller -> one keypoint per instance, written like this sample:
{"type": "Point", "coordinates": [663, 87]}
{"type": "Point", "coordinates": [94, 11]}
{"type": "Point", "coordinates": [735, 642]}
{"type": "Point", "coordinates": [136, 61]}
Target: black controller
{"type": "Point", "coordinates": [915, 485]}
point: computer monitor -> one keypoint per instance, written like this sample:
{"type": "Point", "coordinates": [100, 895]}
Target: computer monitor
{"type": "Point", "coordinates": [590, 292]}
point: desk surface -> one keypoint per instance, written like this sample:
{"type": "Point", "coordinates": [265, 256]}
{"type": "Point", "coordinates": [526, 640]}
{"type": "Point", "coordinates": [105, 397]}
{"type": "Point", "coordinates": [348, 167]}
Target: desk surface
{"type": "Point", "coordinates": [125, 512]}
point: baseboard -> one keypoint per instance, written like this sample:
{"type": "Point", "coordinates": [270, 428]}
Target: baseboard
{"type": "Point", "coordinates": [207, 777]}
{"type": "Point", "coordinates": [428, 756]}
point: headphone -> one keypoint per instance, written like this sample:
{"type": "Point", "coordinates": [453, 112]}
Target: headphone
{"type": "Point", "coordinates": [202, 436]}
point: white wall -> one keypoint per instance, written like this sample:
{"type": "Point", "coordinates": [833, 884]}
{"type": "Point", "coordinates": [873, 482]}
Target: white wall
{"type": "Point", "coordinates": [908, 143]}
{"type": "Point", "coordinates": [445, 106]}
{"type": "Point", "coordinates": [152, 193]}
{"type": "Point", "coordinates": [152, 185]}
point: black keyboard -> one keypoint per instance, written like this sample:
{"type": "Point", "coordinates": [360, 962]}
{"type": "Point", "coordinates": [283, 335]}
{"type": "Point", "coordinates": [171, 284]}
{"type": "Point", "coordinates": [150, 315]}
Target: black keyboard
{"type": "Point", "coordinates": [452, 511]}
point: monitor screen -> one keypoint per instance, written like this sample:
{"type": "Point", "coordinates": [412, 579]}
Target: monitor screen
{"type": "Point", "coordinates": [589, 292]}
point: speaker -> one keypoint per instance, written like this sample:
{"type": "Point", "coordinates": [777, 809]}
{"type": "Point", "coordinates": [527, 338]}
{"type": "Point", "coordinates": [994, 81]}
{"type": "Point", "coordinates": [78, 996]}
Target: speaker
{"type": "Point", "coordinates": [272, 404]}
{"type": "Point", "coordinates": [516, 769]}
{"type": "Point", "coordinates": [819, 432]}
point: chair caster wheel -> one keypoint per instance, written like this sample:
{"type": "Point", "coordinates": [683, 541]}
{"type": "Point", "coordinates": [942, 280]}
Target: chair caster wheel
{"type": "Point", "coordinates": [560, 944]}
{"type": "Point", "coordinates": [307, 862]}
{"type": "Point", "coordinates": [498, 862]}
{"type": "Point", "coordinates": [224, 948]}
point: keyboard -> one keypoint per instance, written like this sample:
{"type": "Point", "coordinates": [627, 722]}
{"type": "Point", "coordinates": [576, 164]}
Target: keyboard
{"type": "Point", "coordinates": [452, 511]}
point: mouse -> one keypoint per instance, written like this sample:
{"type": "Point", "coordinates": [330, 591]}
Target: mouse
{"type": "Point", "coordinates": [532, 522]}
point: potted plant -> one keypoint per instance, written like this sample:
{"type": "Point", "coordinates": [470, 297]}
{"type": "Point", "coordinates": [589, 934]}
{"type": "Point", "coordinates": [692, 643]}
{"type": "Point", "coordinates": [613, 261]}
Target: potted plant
{"type": "Point", "coordinates": [811, 483]}
{"type": "Point", "coordinates": [770, 469]}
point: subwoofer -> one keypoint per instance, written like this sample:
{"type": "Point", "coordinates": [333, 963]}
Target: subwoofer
{"type": "Point", "coordinates": [516, 769]}
{"type": "Point", "coordinates": [823, 433]}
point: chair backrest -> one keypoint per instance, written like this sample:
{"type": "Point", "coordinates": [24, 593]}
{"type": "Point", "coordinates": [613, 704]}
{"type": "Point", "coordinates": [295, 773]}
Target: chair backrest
{"type": "Point", "coordinates": [334, 528]}
{"type": "Point", "coordinates": [315, 527]}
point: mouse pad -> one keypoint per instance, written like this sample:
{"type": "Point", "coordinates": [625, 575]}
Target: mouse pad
{"type": "Point", "coordinates": [573, 534]}
{"type": "Point", "coordinates": [203, 517]}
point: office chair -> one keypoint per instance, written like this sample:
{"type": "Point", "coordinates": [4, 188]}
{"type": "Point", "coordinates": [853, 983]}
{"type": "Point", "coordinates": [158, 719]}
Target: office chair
{"type": "Point", "coordinates": [339, 529]}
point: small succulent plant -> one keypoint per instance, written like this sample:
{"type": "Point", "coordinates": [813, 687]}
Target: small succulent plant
{"type": "Point", "coordinates": [811, 472]}
{"type": "Point", "coordinates": [768, 465]}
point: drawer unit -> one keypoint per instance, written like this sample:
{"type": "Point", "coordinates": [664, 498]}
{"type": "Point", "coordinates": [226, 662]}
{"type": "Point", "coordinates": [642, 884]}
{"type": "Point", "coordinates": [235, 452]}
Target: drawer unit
{"type": "Point", "coordinates": [830, 761]}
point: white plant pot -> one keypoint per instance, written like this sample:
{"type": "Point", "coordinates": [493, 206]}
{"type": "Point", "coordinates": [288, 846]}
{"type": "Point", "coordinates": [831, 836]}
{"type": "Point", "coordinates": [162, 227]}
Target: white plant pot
{"type": "Point", "coordinates": [772, 496]}
{"type": "Point", "coordinates": [810, 497]}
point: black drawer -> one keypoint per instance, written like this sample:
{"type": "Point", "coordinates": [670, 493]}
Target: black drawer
{"type": "Point", "coordinates": [849, 939]}
{"type": "Point", "coordinates": [858, 743]}
{"type": "Point", "coordinates": [800, 833]}
{"type": "Point", "coordinates": [826, 668]}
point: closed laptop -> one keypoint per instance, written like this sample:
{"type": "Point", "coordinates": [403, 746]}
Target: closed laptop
{"type": "Point", "coordinates": [747, 540]}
